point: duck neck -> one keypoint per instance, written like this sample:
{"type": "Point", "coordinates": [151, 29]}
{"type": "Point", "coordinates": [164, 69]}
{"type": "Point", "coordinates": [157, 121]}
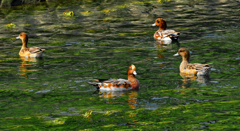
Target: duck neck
{"type": "Point", "coordinates": [134, 81]}
{"type": "Point", "coordinates": [185, 62]}
{"type": "Point", "coordinates": [24, 43]}
{"type": "Point", "coordinates": [161, 28]}
{"type": "Point", "coordinates": [131, 77]}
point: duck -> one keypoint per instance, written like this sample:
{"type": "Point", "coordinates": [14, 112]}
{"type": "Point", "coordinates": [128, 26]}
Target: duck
{"type": "Point", "coordinates": [191, 69]}
{"type": "Point", "coordinates": [31, 51]}
{"type": "Point", "coordinates": [119, 84]}
{"type": "Point", "coordinates": [162, 34]}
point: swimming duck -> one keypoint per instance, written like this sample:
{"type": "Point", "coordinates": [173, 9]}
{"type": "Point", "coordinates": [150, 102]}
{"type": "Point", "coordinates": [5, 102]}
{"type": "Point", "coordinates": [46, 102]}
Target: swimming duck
{"type": "Point", "coordinates": [29, 52]}
{"type": "Point", "coordinates": [163, 34]}
{"type": "Point", "coordinates": [188, 68]}
{"type": "Point", "coordinates": [119, 84]}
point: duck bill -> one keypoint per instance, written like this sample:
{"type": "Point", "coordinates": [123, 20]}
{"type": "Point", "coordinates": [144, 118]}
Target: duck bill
{"type": "Point", "coordinates": [18, 37]}
{"type": "Point", "coordinates": [154, 24]}
{"type": "Point", "coordinates": [135, 73]}
{"type": "Point", "coordinates": [176, 54]}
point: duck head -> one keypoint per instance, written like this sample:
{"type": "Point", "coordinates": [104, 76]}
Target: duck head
{"type": "Point", "coordinates": [24, 37]}
{"type": "Point", "coordinates": [132, 70]}
{"type": "Point", "coordinates": [184, 53]}
{"type": "Point", "coordinates": [161, 23]}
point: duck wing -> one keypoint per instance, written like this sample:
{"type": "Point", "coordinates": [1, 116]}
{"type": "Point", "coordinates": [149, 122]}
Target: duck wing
{"type": "Point", "coordinates": [114, 82]}
{"type": "Point", "coordinates": [169, 33]}
{"type": "Point", "coordinates": [33, 50]}
{"type": "Point", "coordinates": [121, 82]}
{"type": "Point", "coordinates": [196, 66]}
{"type": "Point", "coordinates": [202, 69]}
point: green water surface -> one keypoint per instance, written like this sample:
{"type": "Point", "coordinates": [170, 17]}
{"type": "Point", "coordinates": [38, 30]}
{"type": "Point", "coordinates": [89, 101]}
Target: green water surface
{"type": "Point", "coordinates": [101, 40]}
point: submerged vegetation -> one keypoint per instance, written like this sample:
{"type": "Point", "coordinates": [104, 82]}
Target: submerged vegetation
{"type": "Point", "coordinates": [100, 40]}
{"type": "Point", "coordinates": [189, 109]}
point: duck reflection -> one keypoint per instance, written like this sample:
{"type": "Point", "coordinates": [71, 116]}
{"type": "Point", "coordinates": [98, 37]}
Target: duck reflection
{"type": "Point", "coordinates": [161, 47]}
{"type": "Point", "coordinates": [28, 62]}
{"type": "Point", "coordinates": [166, 45]}
{"type": "Point", "coordinates": [132, 96]}
{"type": "Point", "coordinates": [187, 79]}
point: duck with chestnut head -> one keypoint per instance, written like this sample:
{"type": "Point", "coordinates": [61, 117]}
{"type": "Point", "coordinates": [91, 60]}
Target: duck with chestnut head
{"type": "Point", "coordinates": [164, 34]}
{"type": "Point", "coordinates": [31, 51]}
{"type": "Point", "coordinates": [119, 84]}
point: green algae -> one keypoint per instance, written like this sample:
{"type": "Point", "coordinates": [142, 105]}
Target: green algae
{"type": "Point", "coordinates": [99, 42]}
{"type": "Point", "coordinates": [11, 25]}
{"type": "Point", "coordinates": [68, 13]}
{"type": "Point", "coordinates": [182, 117]}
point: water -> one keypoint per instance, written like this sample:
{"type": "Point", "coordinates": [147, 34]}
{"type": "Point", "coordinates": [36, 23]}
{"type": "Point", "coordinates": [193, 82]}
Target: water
{"type": "Point", "coordinates": [100, 41]}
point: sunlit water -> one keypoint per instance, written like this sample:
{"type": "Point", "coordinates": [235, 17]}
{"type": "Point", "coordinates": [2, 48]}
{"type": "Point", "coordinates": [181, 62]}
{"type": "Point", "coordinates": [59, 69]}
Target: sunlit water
{"type": "Point", "coordinates": [102, 39]}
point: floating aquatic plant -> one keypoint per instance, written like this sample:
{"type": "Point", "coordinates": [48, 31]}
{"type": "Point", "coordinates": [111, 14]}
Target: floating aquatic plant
{"type": "Point", "coordinates": [86, 13]}
{"type": "Point", "coordinates": [88, 114]}
{"type": "Point", "coordinates": [11, 25]}
{"type": "Point", "coordinates": [68, 13]}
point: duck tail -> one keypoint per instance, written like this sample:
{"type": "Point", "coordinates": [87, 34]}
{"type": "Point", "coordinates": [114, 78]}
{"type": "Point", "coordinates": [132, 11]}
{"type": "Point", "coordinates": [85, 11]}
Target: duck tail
{"type": "Point", "coordinates": [205, 71]}
{"type": "Point", "coordinates": [95, 84]}
{"type": "Point", "coordinates": [174, 36]}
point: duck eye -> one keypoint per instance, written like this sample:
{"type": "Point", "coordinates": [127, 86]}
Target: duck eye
{"type": "Point", "coordinates": [158, 21]}
{"type": "Point", "coordinates": [181, 51]}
